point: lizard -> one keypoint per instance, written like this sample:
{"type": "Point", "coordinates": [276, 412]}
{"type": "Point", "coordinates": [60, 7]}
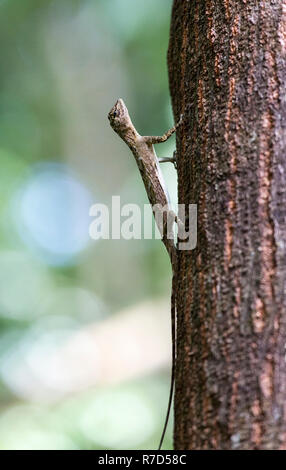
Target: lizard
{"type": "Point", "coordinates": [143, 150]}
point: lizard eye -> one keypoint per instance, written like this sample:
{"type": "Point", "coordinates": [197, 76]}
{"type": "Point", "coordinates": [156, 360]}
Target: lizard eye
{"type": "Point", "coordinates": [115, 114]}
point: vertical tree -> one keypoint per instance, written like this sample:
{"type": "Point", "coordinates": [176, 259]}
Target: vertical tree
{"type": "Point", "coordinates": [227, 69]}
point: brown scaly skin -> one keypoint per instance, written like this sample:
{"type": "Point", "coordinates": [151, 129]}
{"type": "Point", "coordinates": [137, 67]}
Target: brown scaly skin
{"type": "Point", "coordinates": [148, 164]}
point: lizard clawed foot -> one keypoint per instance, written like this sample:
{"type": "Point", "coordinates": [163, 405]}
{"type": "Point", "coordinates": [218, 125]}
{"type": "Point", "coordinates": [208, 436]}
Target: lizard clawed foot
{"type": "Point", "coordinates": [180, 120]}
{"type": "Point", "coordinates": [170, 159]}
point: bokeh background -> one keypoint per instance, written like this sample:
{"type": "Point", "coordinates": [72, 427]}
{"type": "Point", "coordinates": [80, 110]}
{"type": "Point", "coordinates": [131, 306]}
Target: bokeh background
{"type": "Point", "coordinates": [84, 325]}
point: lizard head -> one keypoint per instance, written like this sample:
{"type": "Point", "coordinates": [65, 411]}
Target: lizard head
{"type": "Point", "coordinates": [119, 117]}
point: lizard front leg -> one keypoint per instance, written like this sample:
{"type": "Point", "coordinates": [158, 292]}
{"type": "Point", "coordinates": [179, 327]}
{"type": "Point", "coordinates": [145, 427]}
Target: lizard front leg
{"type": "Point", "coordinates": [157, 139]}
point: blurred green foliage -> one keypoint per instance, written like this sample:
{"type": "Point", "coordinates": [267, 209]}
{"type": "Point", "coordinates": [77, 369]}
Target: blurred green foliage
{"type": "Point", "coordinates": [63, 63]}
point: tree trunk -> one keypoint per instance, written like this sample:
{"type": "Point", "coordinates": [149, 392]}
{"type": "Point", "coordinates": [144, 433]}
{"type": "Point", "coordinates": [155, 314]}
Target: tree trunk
{"type": "Point", "coordinates": [227, 70]}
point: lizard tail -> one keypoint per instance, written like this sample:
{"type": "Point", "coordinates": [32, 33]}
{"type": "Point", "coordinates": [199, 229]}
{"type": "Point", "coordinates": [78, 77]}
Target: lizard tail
{"type": "Point", "coordinates": [173, 321]}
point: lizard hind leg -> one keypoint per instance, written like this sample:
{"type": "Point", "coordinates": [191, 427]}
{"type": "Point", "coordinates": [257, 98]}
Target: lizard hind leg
{"type": "Point", "coordinates": [172, 159]}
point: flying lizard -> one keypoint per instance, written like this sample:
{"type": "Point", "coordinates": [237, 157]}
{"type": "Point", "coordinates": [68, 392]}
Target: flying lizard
{"type": "Point", "coordinates": [143, 150]}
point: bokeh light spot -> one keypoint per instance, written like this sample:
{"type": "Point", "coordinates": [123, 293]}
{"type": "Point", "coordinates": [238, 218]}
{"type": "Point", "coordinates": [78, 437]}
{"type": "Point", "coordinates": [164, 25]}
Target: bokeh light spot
{"type": "Point", "coordinates": [24, 284]}
{"type": "Point", "coordinates": [118, 418]}
{"type": "Point", "coordinates": [54, 214]}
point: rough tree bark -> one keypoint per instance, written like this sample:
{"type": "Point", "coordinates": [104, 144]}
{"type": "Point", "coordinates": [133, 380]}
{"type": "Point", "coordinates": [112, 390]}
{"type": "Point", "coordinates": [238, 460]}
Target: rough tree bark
{"type": "Point", "coordinates": [227, 70]}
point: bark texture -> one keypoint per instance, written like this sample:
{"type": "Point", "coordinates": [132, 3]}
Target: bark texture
{"type": "Point", "coordinates": [227, 70]}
